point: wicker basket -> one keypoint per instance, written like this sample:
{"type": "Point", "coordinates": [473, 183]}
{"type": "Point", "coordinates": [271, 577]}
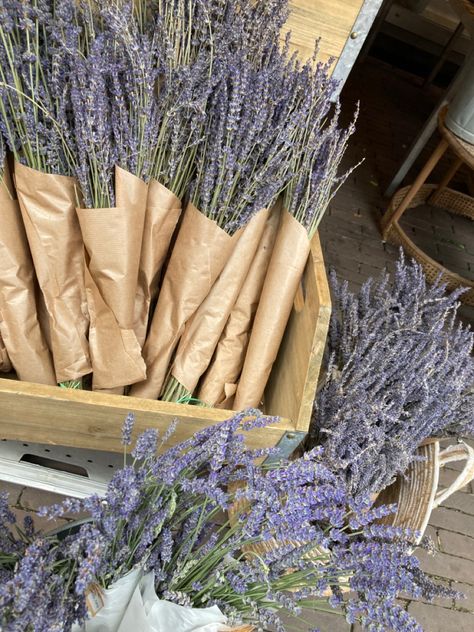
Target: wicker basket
{"type": "Point", "coordinates": [416, 493]}
{"type": "Point", "coordinates": [457, 203]}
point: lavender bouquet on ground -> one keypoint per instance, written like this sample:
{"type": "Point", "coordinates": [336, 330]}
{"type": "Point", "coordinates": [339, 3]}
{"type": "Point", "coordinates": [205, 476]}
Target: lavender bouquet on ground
{"type": "Point", "coordinates": [33, 96]}
{"type": "Point", "coordinates": [166, 515]}
{"type": "Point", "coordinates": [400, 370]}
{"type": "Point", "coordinates": [314, 182]}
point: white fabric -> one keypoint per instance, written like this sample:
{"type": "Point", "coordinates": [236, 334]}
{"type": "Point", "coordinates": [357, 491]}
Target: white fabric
{"type": "Point", "coordinates": [131, 605]}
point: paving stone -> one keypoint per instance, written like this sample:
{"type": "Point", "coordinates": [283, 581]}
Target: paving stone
{"type": "Point", "coordinates": [448, 476]}
{"type": "Point", "coordinates": [462, 502]}
{"type": "Point", "coordinates": [33, 498]}
{"type": "Point", "coordinates": [325, 621]}
{"type": "Point", "coordinates": [447, 566]}
{"type": "Point", "coordinates": [42, 524]}
{"type": "Point", "coordinates": [13, 491]}
{"type": "Point", "coordinates": [456, 544]}
{"type": "Point", "coordinates": [436, 619]}
{"type": "Point", "coordinates": [468, 602]}
{"type": "Point", "coordinates": [453, 520]}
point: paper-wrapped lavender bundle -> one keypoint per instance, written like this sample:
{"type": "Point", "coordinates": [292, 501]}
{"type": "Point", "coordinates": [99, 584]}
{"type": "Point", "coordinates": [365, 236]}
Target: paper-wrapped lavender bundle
{"type": "Point", "coordinates": [34, 80]}
{"type": "Point", "coordinates": [305, 200]}
{"type": "Point", "coordinates": [23, 342]}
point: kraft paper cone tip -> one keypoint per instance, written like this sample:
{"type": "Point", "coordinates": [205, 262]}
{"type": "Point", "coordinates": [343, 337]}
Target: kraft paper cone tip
{"type": "Point", "coordinates": [229, 356]}
{"type": "Point", "coordinates": [113, 240]}
{"type": "Point", "coordinates": [289, 257]}
{"type": "Point", "coordinates": [200, 338]}
{"type": "Point", "coordinates": [20, 327]}
{"type": "Point", "coordinates": [115, 352]}
{"type": "Point", "coordinates": [47, 203]}
{"type": "Point", "coordinates": [162, 215]}
{"type": "Point", "coordinates": [202, 242]}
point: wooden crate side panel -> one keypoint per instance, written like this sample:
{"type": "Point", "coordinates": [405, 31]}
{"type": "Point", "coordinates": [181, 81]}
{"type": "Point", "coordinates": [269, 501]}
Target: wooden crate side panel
{"type": "Point", "coordinates": [331, 20]}
{"type": "Point", "coordinates": [292, 384]}
{"type": "Point", "coordinates": [83, 419]}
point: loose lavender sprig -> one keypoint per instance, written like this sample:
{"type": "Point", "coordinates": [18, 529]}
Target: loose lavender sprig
{"type": "Point", "coordinates": [400, 371]}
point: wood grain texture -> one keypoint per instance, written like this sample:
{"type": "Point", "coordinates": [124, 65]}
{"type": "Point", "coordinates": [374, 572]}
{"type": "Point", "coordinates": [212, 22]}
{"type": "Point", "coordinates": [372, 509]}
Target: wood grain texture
{"type": "Point", "coordinates": [331, 20]}
{"type": "Point", "coordinates": [84, 419]}
{"type": "Point", "coordinates": [292, 385]}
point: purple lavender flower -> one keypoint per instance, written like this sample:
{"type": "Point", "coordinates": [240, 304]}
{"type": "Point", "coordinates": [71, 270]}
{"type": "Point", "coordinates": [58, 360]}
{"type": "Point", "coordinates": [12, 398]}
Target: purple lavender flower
{"type": "Point", "coordinates": [127, 429]}
{"type": "Point", "coordinates": [400, 370]}
{"type": "Point", "coordinates": [32, 88]}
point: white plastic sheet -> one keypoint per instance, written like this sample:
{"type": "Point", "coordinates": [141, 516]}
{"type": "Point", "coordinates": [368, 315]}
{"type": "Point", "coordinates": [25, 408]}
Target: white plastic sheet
{"type": "Point", "coordinates": [131, 605]}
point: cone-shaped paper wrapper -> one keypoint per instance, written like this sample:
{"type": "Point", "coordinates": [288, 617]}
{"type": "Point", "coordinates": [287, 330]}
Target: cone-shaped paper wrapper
{"type": "Point", "coordinates": [112, 239]}
{"type": "Point", "coordinates": [19, 324]}
{"type": "Point", "coordinates": [219, 384]}
{"type": "Point", "coordinates": [199, 256]}
{"type": "Point", "coordinates": [5, 364]}
{"type": "Point", "coordinates": [162, 214]}
{"type": "Point", "coordinates": [48, 206]}
{"type": "Point", "coordinates": [286, 268]}
{"type": "Point", "coordinates": [203, 331]}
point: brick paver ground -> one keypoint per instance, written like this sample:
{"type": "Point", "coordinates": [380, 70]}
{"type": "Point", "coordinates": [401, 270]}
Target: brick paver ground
{"type": "Point", "coordinates": [393, 108]}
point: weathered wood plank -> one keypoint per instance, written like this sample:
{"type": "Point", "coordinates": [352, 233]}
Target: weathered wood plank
{"type": "Point", "coordinates": [292, 385]}
{"type": "Point", "coordinates": [331, 20]}
{"type": "Point", "coordinates": [83, 419]}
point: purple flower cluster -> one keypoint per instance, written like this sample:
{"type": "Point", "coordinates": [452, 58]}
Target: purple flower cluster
{"type": "Point", "coordinates": [316, 178]}
{"type": "Point", "coordinates": [33, 87]}
{"type": "Point", "coordinates": [400, 370]}
{"type": "Point", "coordinates": [166, 513]}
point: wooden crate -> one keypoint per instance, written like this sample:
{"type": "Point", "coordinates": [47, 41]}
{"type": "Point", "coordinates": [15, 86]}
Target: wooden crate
{"type": "Point", "coordinates": [53, 415]}
{"type": "Point", "coordinates": [331, 20]}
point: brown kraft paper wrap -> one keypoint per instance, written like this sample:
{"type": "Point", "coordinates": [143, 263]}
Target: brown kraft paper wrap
{"type": "Point", "coordinates": [48, 206]}
{"type": "Point", "coordinates": [162, 214]}
{"type": "Point", "coordinates": [199, 255]}
{"type": "Point", "coordinates": [19, 325]}
{"type": "Point", "coordinates": [112, 239]}
{"type": "Point", "coordinates": [203, 331]}
{"type": "Point", "coordinates": [5, 364]}
{"type": "Point", "coordinates": [292, 247]}
{"type": "Point", "coordinates": [220, 382]}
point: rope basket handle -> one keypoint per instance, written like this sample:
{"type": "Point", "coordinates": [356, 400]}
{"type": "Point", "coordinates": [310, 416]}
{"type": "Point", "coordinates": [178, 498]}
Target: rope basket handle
{"type": "Point", "coordinates": [459, 452]}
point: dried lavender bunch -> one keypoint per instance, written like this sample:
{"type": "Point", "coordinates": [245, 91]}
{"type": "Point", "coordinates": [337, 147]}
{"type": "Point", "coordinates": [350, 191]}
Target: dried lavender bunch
{"type": "Point", "coordinates": [218, 28]}
{"type": "Point", "coordinates": [132, 84]}
{"type": "Point", "coordinates": [322, 142]}
{"type": "Point", "coordinates": [32, 87]}
{"type": "Point", "coordinates": [182, 101]}
{"type": "Point", "coordinates": [400, 371]}
{"type": "Point", "coordinates": [253, 116]}
{"type": "Point", "coordinates": [165, 513]}
{"type": "Point", "coordinates": [92, 123]}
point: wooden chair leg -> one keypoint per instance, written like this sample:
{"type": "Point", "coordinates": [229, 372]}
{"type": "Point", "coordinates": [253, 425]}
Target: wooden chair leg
{"type": "Point", "coordinates": [448, 176]}
{"type": "Point", "coordinates": [432, 161]}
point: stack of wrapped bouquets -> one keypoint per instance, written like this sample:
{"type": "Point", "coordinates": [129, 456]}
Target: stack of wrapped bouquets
{"type": "Point", "coordinates": [164, 167]}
